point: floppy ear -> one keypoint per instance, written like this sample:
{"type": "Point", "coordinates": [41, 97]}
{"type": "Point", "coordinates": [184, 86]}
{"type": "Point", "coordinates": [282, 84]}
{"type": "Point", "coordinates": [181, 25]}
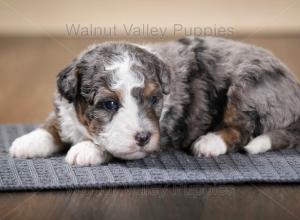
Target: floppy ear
{"type": "Point", "coordinates": [164, 77]}
{"type": "Point", "coordinates": [67, 82]}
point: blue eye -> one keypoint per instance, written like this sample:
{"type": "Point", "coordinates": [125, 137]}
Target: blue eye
{"type": "Point", "coordinates": [153, 100]}
{"type": "Point", "coordinates": [110, 105]}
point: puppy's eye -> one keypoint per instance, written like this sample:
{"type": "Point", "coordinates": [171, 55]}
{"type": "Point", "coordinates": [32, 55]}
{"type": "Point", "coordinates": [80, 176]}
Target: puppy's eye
{"type": "Point", "coordinates": [153, 100]}
{"type": "Point", "coordinates": [110, 105]}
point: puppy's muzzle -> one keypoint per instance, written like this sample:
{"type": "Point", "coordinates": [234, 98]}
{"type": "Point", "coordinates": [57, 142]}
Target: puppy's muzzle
{"type": "Point", "coordinates": [142, 138]}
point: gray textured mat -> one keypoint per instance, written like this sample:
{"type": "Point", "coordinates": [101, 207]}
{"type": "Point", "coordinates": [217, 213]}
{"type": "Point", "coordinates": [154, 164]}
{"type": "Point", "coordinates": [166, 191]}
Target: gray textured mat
{"type": "Point", "coordinates": [172, 167]}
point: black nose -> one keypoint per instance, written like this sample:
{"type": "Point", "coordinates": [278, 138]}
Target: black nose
{"type": "Point", "coordinates": [142, 138]}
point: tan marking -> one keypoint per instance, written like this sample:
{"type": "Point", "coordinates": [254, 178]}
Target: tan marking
{"type": "Point", "coordinates": [90, 125]}
{"type": "Point", "coordinates": [80, 108]}
{"type": "Point", "coordinates": [150, 87]}
{"type": "Point", "coordinates": [105, 92]}
{"type": "Point", "coordinates": [230, 115]}
{"type": "Point", "coordinates": [230, 135]}
{"type": "Point", "coordinates": [52, 126]}
{"type": "Point", "coordinates": [152, 117]}
{"type": "Point", "coordinates": [119, 94]}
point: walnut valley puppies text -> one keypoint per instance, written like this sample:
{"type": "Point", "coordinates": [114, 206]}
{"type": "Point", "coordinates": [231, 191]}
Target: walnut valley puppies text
{"type": "Point", "coordinates": [145, 30]}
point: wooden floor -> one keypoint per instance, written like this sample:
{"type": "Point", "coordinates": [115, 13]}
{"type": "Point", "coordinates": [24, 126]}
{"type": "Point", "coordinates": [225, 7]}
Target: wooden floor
{"type": "Point", "coordinates": [28, 70]}
{"type": "Point", "coordinates": [201, 202]}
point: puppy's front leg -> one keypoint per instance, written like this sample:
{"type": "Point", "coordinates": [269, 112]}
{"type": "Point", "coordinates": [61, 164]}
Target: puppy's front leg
{"type": "Point", "coordinates": [41, 142]}
{"type": "Point", "coordinates": [237, 129]}
{"type": "Point", "coordinates": [86, 153]}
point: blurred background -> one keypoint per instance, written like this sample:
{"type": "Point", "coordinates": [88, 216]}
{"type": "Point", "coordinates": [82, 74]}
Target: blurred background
{"type": "Point", "coordinates": [38, 38]}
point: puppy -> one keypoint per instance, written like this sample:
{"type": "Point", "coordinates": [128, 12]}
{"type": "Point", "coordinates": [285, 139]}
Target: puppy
{"type": "Point", "coordinates": [209, 95]}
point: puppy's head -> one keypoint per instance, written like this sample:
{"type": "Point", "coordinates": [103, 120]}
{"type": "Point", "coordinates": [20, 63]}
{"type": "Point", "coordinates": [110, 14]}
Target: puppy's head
{"type": "Point", "coordinates": [117, 91]}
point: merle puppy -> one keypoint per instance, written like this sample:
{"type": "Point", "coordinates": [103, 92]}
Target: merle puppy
{"type": "Point", "coordinates": [208, 94]}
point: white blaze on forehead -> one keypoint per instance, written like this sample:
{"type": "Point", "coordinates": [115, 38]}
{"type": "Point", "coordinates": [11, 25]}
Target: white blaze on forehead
{"type": "Point", "coordinates": [125, 80]}
{"type": "Point", "coordinates": [125, 123]}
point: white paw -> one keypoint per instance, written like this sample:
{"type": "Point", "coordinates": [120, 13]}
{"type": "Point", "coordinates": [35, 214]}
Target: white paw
{"type": "Point", "coordinates": [86, 153]}
{"type": "Point", "coordinates": [209, 145]}
{"type": "Point", "coordinates": [38, 143]}
{"type": "Point", "coordinates": [259, 144]}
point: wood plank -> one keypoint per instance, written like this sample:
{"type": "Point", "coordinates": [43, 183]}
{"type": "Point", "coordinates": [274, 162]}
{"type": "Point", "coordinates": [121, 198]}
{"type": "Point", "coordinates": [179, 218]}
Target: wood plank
{"type": "Point", "coordinates": [198, 202]}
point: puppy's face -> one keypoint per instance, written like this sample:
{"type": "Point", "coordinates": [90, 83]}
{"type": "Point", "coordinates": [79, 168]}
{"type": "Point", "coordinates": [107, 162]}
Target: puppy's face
{"type": "Point", "coordinates": [117, 92]}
